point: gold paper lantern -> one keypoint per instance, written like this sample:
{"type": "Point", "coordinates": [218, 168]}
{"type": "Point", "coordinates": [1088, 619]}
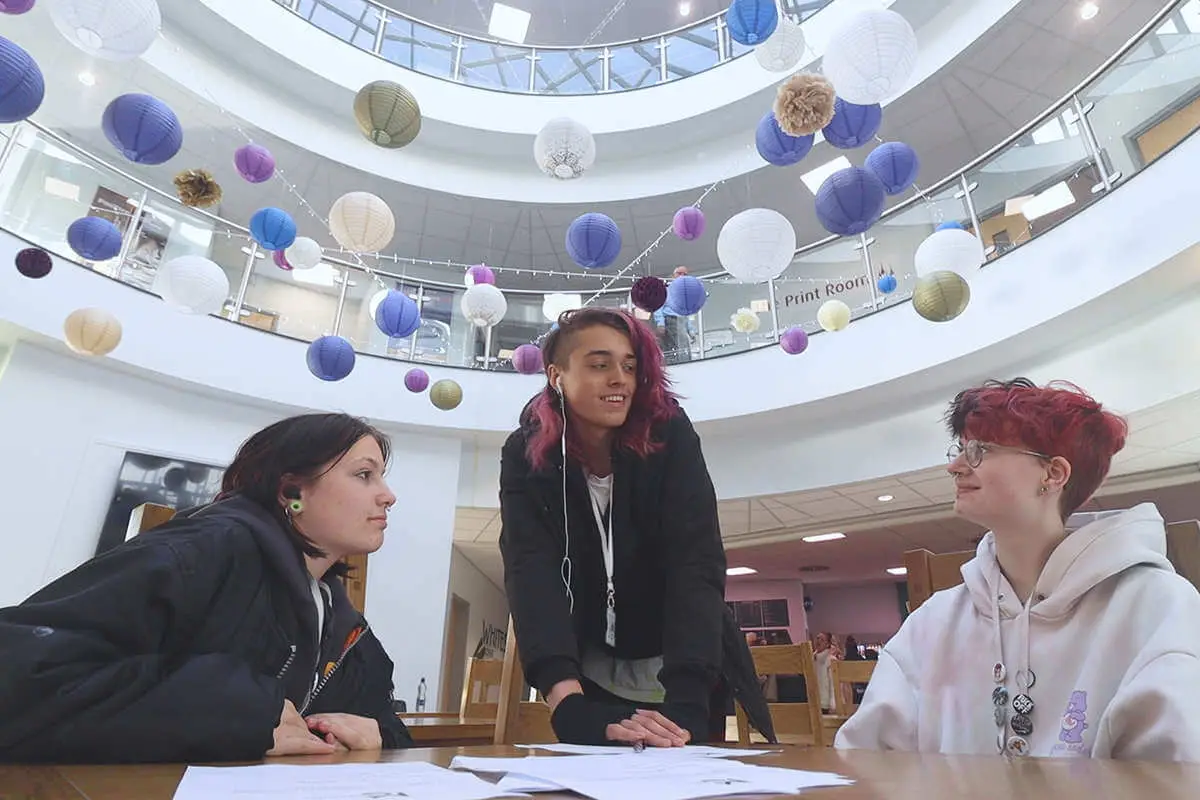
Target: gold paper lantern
{"type": "Point", "coordinates": [941, 296]}
{"type": "Point", "coordinates": [833, 316]}
{"type": "Point", "coordinates": [92, 331]}
{"type": "Point", "coordinates": [387, 114]}
{"type": "Point", "coordinates": [446, 394]}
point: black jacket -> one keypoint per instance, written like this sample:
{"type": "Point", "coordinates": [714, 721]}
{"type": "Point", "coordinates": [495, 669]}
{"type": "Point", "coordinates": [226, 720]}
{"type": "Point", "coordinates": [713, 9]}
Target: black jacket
{"type": "Point", "coordinates": [181, 645]}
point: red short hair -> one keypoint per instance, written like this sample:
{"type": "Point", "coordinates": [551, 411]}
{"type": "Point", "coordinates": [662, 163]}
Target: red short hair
{"type": "Point", "coordinates": [1058, 419]}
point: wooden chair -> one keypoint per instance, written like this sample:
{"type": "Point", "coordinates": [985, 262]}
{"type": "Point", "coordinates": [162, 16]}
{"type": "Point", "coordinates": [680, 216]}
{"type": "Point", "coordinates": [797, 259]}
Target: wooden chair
{"type": "Point", "coordinates": [519, 721]}
{"type": "Point", "coordinates": [795, 723]}
{"type": "Point", "coordinates": [146, 517]}
{"type": "Point", "coordinates": [931, 572]}
{"type": "Point", "coordinates": [845, 675]}
{"type": "Point", "coordinates": [482, 675]}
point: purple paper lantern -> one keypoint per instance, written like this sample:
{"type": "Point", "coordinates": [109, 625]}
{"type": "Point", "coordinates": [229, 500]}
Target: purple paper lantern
{"type": "Point", "coordinates": [686, 295]}
{"type": "Point", "coordinates": [330, 358]}
{"type": "Point", "coordinates": [527, 359]}
{"type": "Point", "coordinates": [280, 259]}
{"type": "Point", "coordinates": [794, 341]}
{"type": "Point", "coordinates": [15, 6]}
{"type": "Point", "coordinates": [593, 240]}
{"type": "Point", "coordinates": [649, 293]}
{"type": "Point", "coordinates": [688, 223]}
{"type": "Point", "coordinates": [416, 380]}
{"type": "Point", "coordinates": [34, 262]}
{"type": "Point", "coordinates": [144, 129]}
{"type": "Point", "coordinates": [852, 125]}
{"type": "Point", "coordinates": [22, 87]}
{"type": "Point", "coordinates": [480, 273]}
{"type": "Point", "coordinates": [254, 163]}
{"type": "Point", "coordinates": [850, 201]}
{"type": "Point", "coordinates": [777, 147]}
{"type": "Point", "coordinates": [895, 164]}
{"type": "Point", "coordinates": [397, 315]}
{"type": "Point", "coordinates": [94, 238]}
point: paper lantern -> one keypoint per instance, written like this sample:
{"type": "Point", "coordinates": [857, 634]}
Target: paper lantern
{"type": "Point", "coordinates": [480, 273]}
{"type": "Point", "coordinates": [273, 228]}
{"type": "Point", "coordinates": [197, 188]}
{"type": "Point", "coordinates": [648, 293]}
{"type": "Point", "coordinates": [484, 305]}
{"type": "Point", "coordinates": [143, 128]}
{"type": "Point", "coordinates": [564, 149]}
{"type": "Point", "coordinates": [397, 315]}
{"type": "Point", "coordinates": [115, 30]}
{"type": "Point", "coordinates": [688, 223]}
{"type": "Point", "coordinates": [94, 238]}
{"type": "Point", "coordinates": [783, 49]}
{"type": "Point", "coordinates": [193, 285]}
{"type": "Point", "coordinates": [887, 284]}
{"type": "Point", "coordinates": [804, 104]}
{"type": "Point", "coordinates": [446, 395]}
{"type": "Point", "coordinates": [416, 380]}
{"type": "Point", "coordinates": [949, 250]}
{"type": "Point", "coordinates": [387, 114]}
{"type": "Point", "coordinates": [686, 295]}
{"type": "Point", "coordinates": [751, 22]}
{"type": "Point", "coordinates": [871, 56]}
{"type": "Point", "coordinates": [850, 201]}
{"type": "Point", "coordinates": [92, 331]}
{"type": "Point", "coordinates": [833, 315]}
{"type": "Point", "coordinates": [254, 163]}
{"type": "Point", "coordinates": [852, 125]}
{"type": "Point", "coordinates": [941, 296]}
{"type": "Point", "coordinates": [744, 321]}
{"type": "Point", "coordinates": [948, 224]}
{"type": "Point", "coordinates": [361, 222]}
{"type": "Point", "coordinates": [895, 164]}
{"type": "Point", "coordinates": [22, 87]}
{"type": "Point", "coordinates": [280, 259]}
{"type": "Point", "coordinates": [330, 358]}
{"type": "Point", "coordinates": [756, 245]}
{"type": "Point", "coordinates": [556, 304]}
{"type": "Point", "coordinates": [593, 241]}
{"type": "Point", "coordinates": [304, 253]}
{"type": "Point", "coordinates": [777, 147]}
{"type": "Point", "coordinates": [34, 262]}
{"type": "Point", "coordinates": [15, 6]}
{"type": "Point", "coordinates": [527, 359]}
{"type": "Point", "coordinates": [794, 341]}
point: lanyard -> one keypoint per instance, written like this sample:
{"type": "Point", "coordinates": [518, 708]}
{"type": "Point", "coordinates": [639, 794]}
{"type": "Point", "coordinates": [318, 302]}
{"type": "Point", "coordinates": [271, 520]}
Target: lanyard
{"type": "Point", "coordinates": [606, 547]}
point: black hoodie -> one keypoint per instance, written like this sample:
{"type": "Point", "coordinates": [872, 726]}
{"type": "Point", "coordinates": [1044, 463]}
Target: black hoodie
{"type": "Point", "coordinates": [181, 645]}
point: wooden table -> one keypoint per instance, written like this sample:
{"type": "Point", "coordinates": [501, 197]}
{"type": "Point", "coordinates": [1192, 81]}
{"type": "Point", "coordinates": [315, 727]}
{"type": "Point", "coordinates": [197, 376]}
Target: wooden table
{"type": "Point", "coordinates": [879, 776]}
{"type": "Point", "coordinates": [446, 730]}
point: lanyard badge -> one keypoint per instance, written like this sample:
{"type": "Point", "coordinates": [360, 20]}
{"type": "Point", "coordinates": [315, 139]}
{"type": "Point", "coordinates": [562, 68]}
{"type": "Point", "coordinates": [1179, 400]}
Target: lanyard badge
{"type": "Point", "coordinates": [606, 547]}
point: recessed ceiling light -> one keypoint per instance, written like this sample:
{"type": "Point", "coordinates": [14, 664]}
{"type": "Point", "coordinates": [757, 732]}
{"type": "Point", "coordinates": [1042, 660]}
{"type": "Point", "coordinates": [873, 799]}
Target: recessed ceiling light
{"type": "Point", "coordinates": [825, 537]}
{"type": "Point", "coordinates": [87, 78]}
{"type": "Point", "coordinates": [1056, 198]}
{"type": "Point", "coordinates": [740, 571]}
{"type": "Point", "coordinates": [685, 8]}
{"type": "Point", "coordinates": [814, 178]}
{"type": "Point", "coordinates": [885, 498]}
{"type": "Point", "coordinates": [509, 23]}
{"type": "Point", "coordinates": [897, 571]}
{"type": "Point", "coordinates": [1088, 10]}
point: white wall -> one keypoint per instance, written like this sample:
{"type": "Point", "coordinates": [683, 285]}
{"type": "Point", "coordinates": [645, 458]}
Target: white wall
{"type": "Point", "coordinates": [489, 606]}
{"type": "Point", "coordinates": [66, 422]}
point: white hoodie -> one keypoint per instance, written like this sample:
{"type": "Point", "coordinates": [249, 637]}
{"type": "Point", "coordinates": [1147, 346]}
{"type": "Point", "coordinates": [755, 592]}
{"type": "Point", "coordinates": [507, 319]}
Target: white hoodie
{"type": "Point", "coordinates": [1111, 632]}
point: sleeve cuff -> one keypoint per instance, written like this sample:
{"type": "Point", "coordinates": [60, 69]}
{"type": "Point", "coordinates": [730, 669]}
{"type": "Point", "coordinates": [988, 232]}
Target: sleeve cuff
{"type": "Point", "coordinates": [546, 673]}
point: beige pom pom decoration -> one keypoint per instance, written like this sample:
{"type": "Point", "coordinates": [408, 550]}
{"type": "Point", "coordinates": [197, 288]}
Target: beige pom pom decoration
{"type": "Point", "coordinates": [92, 331]}
{"type": "Point", "coordinates": [804, 104]}
{"type": "Point", "coordinates": [941, 296]}
{"type": "Point", "coordinates": [745, 321]}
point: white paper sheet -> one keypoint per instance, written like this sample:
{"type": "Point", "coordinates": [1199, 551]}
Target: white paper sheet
{"type": "Point", "coordinates": [690, 751]}
{"type": "Point", "coordinates": [411, 780]}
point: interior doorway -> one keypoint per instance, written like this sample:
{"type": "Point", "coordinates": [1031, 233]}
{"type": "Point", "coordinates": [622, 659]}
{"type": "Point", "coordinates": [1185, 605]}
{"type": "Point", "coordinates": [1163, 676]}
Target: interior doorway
{"type": "Point", "coordinates": [454, 658]}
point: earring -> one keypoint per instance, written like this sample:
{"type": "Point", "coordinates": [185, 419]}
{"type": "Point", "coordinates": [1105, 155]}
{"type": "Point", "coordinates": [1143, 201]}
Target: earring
{"type": "Point", "coordinates": [295, 506]}
{"type": "Point", "coordinates": [1042, 489]}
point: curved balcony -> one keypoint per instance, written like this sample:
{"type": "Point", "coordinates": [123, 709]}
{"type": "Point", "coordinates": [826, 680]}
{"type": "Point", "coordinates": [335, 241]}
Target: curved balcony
{"type": "Point", "coordinates": [507, 67]}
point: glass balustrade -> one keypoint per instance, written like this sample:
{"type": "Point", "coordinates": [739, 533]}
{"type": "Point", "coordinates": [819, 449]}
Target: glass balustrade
{"type": "Point", "coordinates": [1138, 106]}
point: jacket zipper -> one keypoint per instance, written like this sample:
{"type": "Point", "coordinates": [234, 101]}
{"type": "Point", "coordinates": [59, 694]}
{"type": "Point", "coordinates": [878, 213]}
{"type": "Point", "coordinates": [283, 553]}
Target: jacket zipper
{"type": "Point", "coordinates": [325, 679]}
{"type": "Point", "coordinates": [291, 657]}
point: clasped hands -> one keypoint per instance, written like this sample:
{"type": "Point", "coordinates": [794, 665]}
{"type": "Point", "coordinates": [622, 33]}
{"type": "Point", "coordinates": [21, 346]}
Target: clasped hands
{"type": "Point", "coordinates": [321, 734]}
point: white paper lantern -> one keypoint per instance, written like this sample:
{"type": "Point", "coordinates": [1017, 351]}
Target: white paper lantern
{"type": "Point", "coordinates": [376, 299]}
{"type": "Point", "coordinates": [92, 331]}
{"type": "Point", "coordinates": [192, 284]}
{"type": "Point", "coordinates": [756, 245]}
{"type": "Point", "coordinates": [362, 222]}
{"type": "Point", "coordinates": [744, 321]}
{"type": "Point", "coordinates": [783, 49]}
{"type": "Point", "coordinates": [484, 305]}
{"type": "Point", "coordinates": [304, 253]}
{"type": "Point", "coordinates": [871, 57]}
{"type": "Point", "coordinates": [949, 250]}
{"type": "Point", "coordinates": [555, 304]}
{"type": "Point", "coordinates": [116, 30]}
{"type": "Point", "coordinates": [833, 316]}
{"type": "Point", "coordinates": [564, 149]}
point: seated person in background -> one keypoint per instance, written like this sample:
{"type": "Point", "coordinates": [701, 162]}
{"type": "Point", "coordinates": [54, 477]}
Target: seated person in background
{"type": "Point", "coordinates": [223, 635]}
{"type": "Point", "coordinates": [1071, 635]}
{"type": "Point", "coordinates": [824, 652]}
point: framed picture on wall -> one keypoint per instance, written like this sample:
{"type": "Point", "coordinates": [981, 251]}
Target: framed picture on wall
{"type": "Point", "coordinates": [148, 478]}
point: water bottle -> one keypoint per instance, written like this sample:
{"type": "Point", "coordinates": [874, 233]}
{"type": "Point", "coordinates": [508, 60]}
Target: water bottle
{"type": "Point", "coordinates": [421, 696]}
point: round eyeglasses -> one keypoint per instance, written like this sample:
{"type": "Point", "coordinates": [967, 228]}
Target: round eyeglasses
{"type": "Point", "coordinates": [974, 451]}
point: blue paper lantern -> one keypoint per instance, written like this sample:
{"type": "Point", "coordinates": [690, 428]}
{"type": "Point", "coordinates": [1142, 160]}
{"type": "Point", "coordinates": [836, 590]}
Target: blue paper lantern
{"type": "Point", "coordinates": [593, 241]}
{"type": "Point", "coordinates": [398, 315]}
{"type": "Point", "coordinates": [143, 128]}
{"type": "Point", "coordinates": [686, 295]}
{"type": "Point", "coordinates": [750, 22]}
{"type": "Point", "coordinates": [22, 87]}
{"type": "Point", "coordinates": [777, 147]}
{"type": "Point", "coordinates": [887, 284]}
{"type": "Point", "coordinates": [273, 228]}
{"type": "Point", "coordinates": [952, 224]}
{"type": "Point", "coordinates": [850, 201]}
{"type": "Point", "coordinates": [895, 164]}
{"type": "Point", "coordinates": [94, 238]}
{"type": "Point", "coordinates": [852, 125]}
{"type": "Point", "coordinates": [330, 358]}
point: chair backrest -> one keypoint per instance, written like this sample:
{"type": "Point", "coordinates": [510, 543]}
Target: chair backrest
{"type": "Point", "coordinates": [931, 572]}
{"type": "Point", "coordinates": [844, 675]}
{"type": "Point", "coordinates": [482, 675]}
{"type": "Point", "coordinates": [799, 722]}
{"type": "Point", "coordinates": [146, 517]}
{"type": "Point", "coordinates": [519, 721]}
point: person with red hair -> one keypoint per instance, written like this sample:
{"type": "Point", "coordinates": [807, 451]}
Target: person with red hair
{"type": "Point", "coordinates": [613, 561]}
{"type": "Point", "coordinates": [1071, 634]}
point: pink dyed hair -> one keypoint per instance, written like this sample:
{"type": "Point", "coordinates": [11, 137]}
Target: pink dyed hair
{"type": "Point", "coordinates": [653, 401]}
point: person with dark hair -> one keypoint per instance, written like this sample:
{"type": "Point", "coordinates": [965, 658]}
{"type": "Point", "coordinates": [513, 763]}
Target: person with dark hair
{"type": "Point", "coordinates": [1071, 634]}
{"type": "Point", "coordinates": [613, 559]}
{"type": "Point", "coordinates": [223, 635]}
